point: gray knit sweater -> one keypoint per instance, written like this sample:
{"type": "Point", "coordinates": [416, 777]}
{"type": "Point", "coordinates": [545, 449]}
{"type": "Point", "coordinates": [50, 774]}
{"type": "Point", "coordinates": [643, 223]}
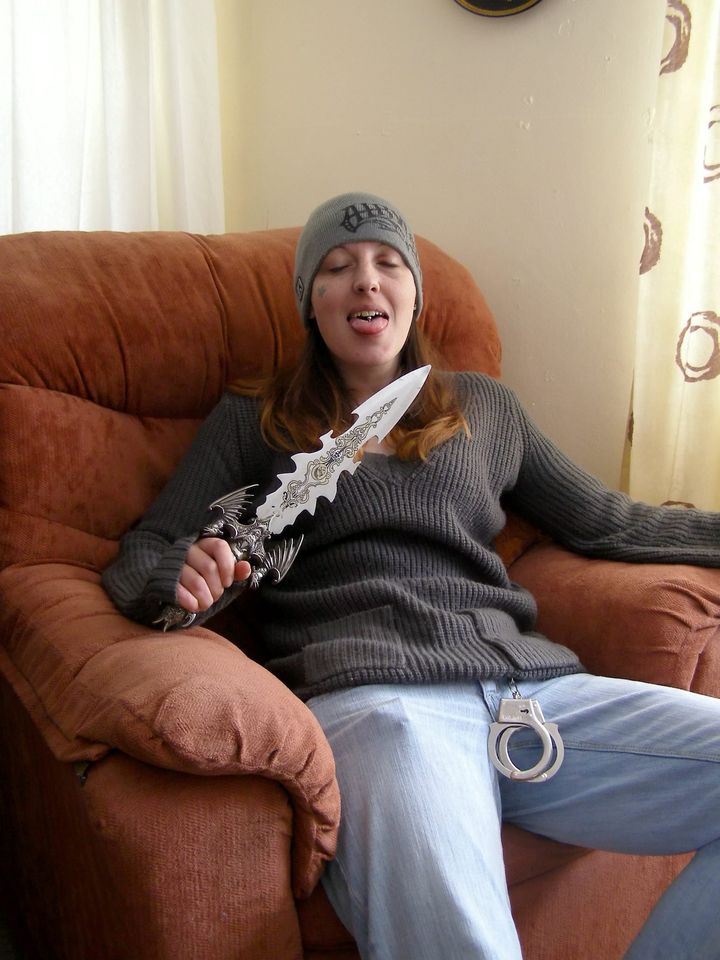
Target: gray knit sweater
{"type": "Point", "coordinates": [397, 579]}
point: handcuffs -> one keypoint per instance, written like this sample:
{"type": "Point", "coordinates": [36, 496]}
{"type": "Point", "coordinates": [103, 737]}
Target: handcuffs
{"type": "Point", "coordinates": [516, 714]}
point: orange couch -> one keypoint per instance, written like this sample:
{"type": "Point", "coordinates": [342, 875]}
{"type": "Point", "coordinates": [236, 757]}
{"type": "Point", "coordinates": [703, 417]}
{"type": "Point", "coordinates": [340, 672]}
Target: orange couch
{"type": "Point", "coordinates": [163, 796]}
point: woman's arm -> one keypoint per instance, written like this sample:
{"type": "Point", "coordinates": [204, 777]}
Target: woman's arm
{"type": "Point", "coordinates": [584, 515]}
{"type": "Point", "coordinates": [159, 558]}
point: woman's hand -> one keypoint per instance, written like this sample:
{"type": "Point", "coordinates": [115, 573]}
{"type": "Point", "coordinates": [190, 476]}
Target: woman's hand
{"type": "Point", "coordinates": [209, 569]}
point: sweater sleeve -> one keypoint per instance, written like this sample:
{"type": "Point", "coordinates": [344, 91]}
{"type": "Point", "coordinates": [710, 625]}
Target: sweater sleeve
{"type": "Point", "coordinates": [587, 517]}
{"type": "Point", "coordinates": [227, 452]}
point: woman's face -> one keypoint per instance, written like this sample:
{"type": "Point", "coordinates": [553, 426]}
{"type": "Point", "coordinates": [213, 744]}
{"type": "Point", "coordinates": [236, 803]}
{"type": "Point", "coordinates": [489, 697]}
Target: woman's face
{"type": "Point", "coordinates": [363, 298]}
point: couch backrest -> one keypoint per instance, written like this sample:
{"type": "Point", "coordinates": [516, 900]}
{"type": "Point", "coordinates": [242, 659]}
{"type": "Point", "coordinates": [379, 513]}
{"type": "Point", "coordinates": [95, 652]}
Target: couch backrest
{"type": "Point", "coordinates": [114, 346]}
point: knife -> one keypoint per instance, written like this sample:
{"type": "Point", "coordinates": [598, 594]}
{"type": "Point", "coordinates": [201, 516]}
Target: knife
{"type": "Point", "coordinates": [314, 475]}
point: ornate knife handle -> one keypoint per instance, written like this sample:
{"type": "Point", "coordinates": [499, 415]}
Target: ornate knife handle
{"type": "Point", "coordinates": [247, 542]}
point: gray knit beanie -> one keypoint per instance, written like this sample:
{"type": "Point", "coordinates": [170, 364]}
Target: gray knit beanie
{"type": "Point", "coordinates": [350, 218]}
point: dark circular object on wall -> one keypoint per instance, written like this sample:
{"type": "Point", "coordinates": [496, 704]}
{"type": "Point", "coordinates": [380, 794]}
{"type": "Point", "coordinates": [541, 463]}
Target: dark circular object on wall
{"type": "Point", "coordinates": [498, 8]}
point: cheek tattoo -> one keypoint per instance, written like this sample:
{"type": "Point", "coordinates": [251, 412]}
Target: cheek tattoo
{"type": "Point", "coordinates": [321, 292]}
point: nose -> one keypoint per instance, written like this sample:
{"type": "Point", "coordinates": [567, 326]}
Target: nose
{"type": "Point", "coordinates": [366, 279]}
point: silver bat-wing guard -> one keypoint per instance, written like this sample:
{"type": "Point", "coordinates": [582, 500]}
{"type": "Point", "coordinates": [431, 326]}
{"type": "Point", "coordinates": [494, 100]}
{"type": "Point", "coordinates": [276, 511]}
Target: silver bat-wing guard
{"type": "Point", "coordinates": [314, 475]}
{"type": "Point", "coordinates": [247, 542]}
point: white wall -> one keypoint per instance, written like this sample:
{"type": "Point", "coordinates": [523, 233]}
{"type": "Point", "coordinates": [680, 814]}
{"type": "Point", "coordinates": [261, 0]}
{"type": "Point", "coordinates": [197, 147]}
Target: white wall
{"type": "Point", "coordinates": [519, 144]}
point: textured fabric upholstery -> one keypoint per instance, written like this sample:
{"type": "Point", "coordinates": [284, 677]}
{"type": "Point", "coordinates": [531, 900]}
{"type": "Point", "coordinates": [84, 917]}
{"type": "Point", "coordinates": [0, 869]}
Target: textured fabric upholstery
{"type": "Point", "coordinates": [200, 828]}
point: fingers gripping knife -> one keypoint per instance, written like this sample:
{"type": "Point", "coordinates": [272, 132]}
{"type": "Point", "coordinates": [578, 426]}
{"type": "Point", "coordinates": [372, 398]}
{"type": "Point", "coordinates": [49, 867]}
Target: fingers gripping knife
{"type": "Point", "coordinates": [315, 475]}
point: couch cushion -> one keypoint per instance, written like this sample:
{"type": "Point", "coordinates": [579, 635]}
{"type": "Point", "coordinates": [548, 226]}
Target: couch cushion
{"type": "Point", "coordinates": [156, 324]}
{"type": "Point", "coordinates": [77, 474]}
{"type": "Point", "coordinates": [187, 701]}
{"type": "Point", "coordinates": [659, 623]}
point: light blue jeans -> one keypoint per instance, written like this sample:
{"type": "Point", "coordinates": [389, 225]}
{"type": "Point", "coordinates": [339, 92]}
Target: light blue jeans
{"type": "Point", "coordinates": [419, 871]}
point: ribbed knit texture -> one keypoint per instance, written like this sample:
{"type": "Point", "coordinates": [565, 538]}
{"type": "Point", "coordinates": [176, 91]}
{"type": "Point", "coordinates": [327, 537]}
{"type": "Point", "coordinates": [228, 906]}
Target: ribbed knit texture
{"type": "Point", "coordinates": [397, 580]}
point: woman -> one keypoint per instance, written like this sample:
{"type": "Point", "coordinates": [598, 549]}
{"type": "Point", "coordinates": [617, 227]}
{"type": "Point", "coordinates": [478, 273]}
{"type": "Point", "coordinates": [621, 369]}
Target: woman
{"type": "Point", "coordinates": [399, 626]}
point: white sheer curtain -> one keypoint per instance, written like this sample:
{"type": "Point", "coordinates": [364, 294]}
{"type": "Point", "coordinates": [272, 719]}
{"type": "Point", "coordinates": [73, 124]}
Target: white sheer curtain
{"type": "Point", "coordinates": [675, 453]}
{"type": "Point", "coordinates": [109, 116]}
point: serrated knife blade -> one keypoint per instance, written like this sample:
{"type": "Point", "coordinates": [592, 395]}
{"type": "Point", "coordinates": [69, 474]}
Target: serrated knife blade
{"type": "Point", "coordinates": [316, 474]}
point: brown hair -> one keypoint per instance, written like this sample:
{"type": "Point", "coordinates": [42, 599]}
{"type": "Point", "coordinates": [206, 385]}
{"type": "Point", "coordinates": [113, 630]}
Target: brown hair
{"type": "Point", "coordinates": [302, 403]}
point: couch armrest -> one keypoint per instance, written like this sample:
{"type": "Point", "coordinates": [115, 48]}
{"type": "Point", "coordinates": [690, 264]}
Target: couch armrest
{"type": "Point", "coordinates": [185, 700]}
{"type": "Point", "coordinates": [654, 622]}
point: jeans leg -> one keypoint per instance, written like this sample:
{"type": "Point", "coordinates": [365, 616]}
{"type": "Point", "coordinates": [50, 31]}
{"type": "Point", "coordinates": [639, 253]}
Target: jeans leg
{"type": "Point", "coordinates": [641, 775]}
{"type": "Point", "coordinates": [692, 899]}
{"type": "Point", "coordinates": [419, 870]}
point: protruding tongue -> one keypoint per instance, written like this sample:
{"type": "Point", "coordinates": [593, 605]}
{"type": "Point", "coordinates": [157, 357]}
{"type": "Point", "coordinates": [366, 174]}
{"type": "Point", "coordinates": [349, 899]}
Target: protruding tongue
{"type": "Point", "coordinates": [368, 325]}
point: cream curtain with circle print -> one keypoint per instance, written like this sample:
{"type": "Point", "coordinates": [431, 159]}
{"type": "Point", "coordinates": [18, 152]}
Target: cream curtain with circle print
{"type": "Point", "coordinates": [675, 435]}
